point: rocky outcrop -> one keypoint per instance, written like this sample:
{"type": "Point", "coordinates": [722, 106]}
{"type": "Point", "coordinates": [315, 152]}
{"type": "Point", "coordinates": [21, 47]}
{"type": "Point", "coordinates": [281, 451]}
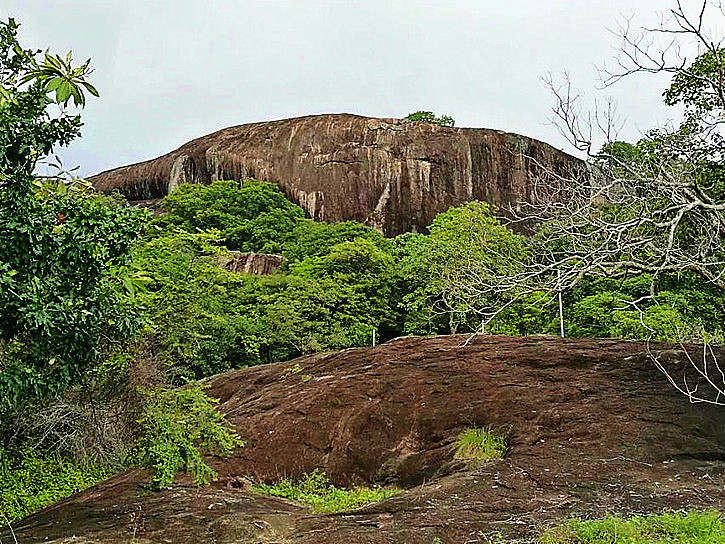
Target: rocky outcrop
{"type": "Point", "coordinates": [594, 428]}
{"type": "Point", "coordinates": [259, 264]}
{"type": "Point", "coordinates": [390, 174]}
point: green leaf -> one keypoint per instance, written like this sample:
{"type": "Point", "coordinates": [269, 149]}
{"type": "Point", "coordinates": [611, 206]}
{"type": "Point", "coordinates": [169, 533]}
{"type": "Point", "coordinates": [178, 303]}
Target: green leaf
{"type": "Point", "coordinates": [62, 94]}
{"type": "Point", "coordinates": [53, 84]}
{"type": "Point", "coordinates": [90, 88]}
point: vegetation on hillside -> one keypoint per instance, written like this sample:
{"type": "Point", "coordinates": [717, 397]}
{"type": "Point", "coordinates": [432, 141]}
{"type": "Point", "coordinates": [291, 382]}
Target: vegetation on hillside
{"type": "Point", "coordinates": [430, 117]}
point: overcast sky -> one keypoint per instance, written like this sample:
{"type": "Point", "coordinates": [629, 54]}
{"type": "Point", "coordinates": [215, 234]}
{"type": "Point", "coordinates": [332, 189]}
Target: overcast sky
{"type": "Point", "coordinates": [169, 71]}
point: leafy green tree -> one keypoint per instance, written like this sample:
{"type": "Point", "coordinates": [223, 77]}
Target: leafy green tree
{"type": "Point", "coordinates": [465, 245]}
{"type": "Point", "coordinates": [63, 249]}
{"type": "Point", "coordinates": [251, 215]}
{"type": "Point", "coordinates": [430, 117]}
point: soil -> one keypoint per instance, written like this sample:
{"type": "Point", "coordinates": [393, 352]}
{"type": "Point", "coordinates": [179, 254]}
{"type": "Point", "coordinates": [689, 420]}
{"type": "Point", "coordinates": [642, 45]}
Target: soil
{"type": "Point", "coordinates": [594, 427]}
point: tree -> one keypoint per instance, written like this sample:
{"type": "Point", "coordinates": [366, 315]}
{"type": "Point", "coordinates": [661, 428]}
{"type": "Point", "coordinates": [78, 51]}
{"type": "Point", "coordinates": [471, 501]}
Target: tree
{"type": "Point", "coordinates": [467, 251]}
{"type": "Point", "coordinates": [251, 215]}
{"type": "Point", "coordinates": [430, 117]}
{"type": "Point", "coordinates": [655, 209]}
{"type": "Point", "coordinates": [63, 290]}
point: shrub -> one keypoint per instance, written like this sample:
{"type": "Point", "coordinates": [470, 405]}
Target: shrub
{"type": "Point", "coordinates": [177, 428]}
{"type": "Point", "coordinates": [316, 490]}
{"type": "Point", "coordinates": [64, 287]}
{"type": "Point", "coordinates": [481, 444]}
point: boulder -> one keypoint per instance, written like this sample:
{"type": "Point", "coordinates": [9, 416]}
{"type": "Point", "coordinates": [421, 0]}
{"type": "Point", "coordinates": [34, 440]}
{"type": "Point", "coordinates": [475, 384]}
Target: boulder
{"type": "Point", "coordinates": [391, 174]}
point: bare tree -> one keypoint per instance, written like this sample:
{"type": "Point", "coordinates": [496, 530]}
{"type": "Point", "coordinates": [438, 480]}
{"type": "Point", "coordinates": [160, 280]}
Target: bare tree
{"type": "Point", "coordinates": [657, 208]}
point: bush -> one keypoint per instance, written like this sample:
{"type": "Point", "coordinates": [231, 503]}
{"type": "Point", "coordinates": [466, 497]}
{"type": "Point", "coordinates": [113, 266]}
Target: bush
{"type": "Point", "coordinates": [480, 444]}
{"type": "Point", "coordinates": [64, 287]}
{"type": "Point", "coordinates": [316, 490]}
{"type": "Point", "coordinates": [177, 428]}
{"type": "Point", "coordinates": [430, 117]}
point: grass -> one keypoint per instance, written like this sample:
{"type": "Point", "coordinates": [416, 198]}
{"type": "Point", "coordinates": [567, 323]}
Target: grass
{"type": "Point", "coordinates": [29, 483]}
{"type": "Point", "coordinates": [315, 490]}
{"type": "Point", "coordinates": [480, 444]}
{"type": "Point", "coordinates": [667, 528]}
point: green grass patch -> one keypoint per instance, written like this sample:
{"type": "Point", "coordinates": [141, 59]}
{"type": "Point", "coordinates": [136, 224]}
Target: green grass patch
{"type": "Point", "coordinates": [316, 490]}
{"type": "Point", "coordinates": [481, 444]}
{"type": "Point", "coordinates": [667, 528]}
{"type": "Point", "coordinates": [29, 483]}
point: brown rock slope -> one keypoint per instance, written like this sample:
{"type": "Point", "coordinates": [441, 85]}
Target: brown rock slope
{"type": "Point", "coordinates": [393, 175]}
{"type": "Point", "coordinates": [595, 428]}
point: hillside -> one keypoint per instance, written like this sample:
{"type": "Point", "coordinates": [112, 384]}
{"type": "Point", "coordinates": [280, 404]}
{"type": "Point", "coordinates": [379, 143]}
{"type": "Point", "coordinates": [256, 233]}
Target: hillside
{"type": "Point", "coordinates": [595, 428]}
{"type": "Point", "coordinates": [387, 173]}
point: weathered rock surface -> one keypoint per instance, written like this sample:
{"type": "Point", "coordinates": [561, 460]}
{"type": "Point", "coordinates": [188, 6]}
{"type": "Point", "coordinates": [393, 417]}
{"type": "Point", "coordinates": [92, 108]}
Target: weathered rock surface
{"type": "Point", "coordinates": [259, 264]}
{"type": "Point", "coordinates": [595, 428]}
{"type": "Point", "coordinates": [393, 175]}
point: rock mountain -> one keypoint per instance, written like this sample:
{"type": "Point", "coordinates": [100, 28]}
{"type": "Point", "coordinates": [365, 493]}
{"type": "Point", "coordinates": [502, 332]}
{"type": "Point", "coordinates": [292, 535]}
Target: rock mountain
{"type": "Point", "coordinates": [391, 174]}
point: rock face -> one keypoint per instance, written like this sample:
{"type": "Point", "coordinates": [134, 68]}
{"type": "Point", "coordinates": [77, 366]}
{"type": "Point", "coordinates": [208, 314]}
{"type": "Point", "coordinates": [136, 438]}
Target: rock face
{"type": "Point", "coordinates": [594, 429]}
{"type": "Point", "coordinates": [259, 264]}
{"type": "Point", "coordinates": [390, 174]}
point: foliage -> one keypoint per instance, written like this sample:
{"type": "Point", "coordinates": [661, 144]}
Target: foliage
{"type": "Point", "coordinates": [63, 253]}
{"type": "Point", "coordinates": [316, 490]}
{"type": "Point", "coordinates": [697, 87]}
{"type": "Point", "coordinates": [417, 286]}
{"type": "Point", "coordinates": [342, 281]}
{"type": "Point", "coordinates": [251, 215]}
{"type": "Point", "coordinates": [430, 117]}
{"type": "Point", "coordinates": [28, 130]}
{"type": "Point", "coordinates": [194, 310]}
{"type": "Point", "coordinates": [177, 428]}
{"type": "Point", "coordinates": [30, 481]}
{"type": "Point", "coordinates": [334, 291]}
{"type": "Point", "coordinates": [65, 287]}
{"type": "Point", "coordinates": [467, 245]}
{"type": "Point", "coordinates": [481, 444]}
{"type": "Point", "coordinates": [689, 528]}
{"type": "Point", "coordinates": [315, 239]}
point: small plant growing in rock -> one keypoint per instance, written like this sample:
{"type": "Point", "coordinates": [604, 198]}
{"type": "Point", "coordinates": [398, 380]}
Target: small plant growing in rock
{"type": "Point", "coordinates": [481, 444]}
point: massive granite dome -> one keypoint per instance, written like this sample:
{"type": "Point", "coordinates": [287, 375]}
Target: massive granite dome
{"type": "Point", "coordinates": [391, 174]}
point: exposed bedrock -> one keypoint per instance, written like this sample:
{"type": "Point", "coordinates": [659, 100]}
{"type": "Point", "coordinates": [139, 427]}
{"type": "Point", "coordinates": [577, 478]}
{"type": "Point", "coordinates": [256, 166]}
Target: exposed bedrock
{"type": "Point", "coordinates": [594, 428]}
{"type": "Point", "coordinates": [390, 174]}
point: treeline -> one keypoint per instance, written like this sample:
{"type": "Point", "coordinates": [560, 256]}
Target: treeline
{"type": "Point", "coordinates": [342, 282]}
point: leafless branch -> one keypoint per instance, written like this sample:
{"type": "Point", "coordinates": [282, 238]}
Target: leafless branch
{"type": "Point", "coordinates": [651, 213]}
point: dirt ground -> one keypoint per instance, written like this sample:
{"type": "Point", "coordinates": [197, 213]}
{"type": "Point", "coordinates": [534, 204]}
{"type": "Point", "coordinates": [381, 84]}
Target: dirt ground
{"type": "Point", "coordinates": [595, 428]}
